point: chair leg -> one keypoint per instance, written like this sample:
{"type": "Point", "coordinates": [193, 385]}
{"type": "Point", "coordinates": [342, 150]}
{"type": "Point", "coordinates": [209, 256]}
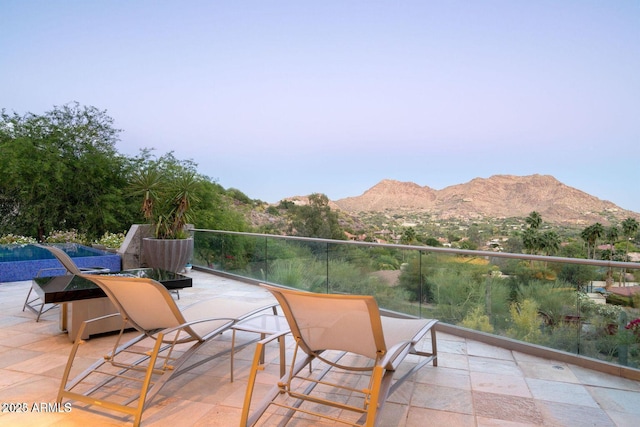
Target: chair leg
{"type": "Point", "coordinates": [434, 347]}
{"type": "Point", "coordinates": [380, 381]}
{"type": "Point", "coordinates": [38, 311]}
{"type": "Point", "coordinates": [147, 381]}
{"type": "Point", "coordinates": [66, 386]}
{"type": "Point", "coordinates": [26, 301]}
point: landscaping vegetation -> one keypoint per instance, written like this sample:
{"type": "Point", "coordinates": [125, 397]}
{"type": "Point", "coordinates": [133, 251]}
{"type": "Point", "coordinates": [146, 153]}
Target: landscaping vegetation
{"type": "Point", "coordinates": [61, 171]}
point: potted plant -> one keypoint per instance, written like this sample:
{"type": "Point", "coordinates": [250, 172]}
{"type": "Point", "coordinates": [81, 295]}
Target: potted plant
{"type": "Point", "coordinates": [168, 190]}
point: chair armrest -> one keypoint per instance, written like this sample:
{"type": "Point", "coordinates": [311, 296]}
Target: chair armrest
{"type": "Point", "coordinates": [272, 337]}
{"type": "Point", "coordinates": [395, 353]}
{"type": "Point", "coordinates": [400, 349]}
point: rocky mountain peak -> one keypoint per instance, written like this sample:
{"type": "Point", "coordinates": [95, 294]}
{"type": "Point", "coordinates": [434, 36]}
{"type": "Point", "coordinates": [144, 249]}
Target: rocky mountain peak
{"type": "Point", "coordinates": [499, 196]}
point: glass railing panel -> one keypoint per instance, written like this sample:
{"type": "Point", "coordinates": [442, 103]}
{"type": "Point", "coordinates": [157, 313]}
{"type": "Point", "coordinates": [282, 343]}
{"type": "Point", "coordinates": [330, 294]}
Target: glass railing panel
{"type": "Point", "coordinates": [230, 253]}
{"type": "Point", "coordinates": [560, 303]}
{"type": "Point", "coordinates": [297, 263]}
{"type": "Point", "coordinates": [609, 316]}
{"type": "Point", "coordinates": [371, 270]}
{"type": "Point", "coordinates": [455, 288]}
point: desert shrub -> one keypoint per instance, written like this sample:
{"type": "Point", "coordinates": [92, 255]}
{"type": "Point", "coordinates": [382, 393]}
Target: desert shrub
{"type": "Point", "coordinates": [456, 294]}
{"type": "Point", "coordinates": [562, 337]}
{"type": "Point", "coordinates": [477, 319]}
{"type": "Point", "coordinates": [306, 274]}
{"type": "Point", "coordinates": [555, 299]}
{"type": "Point", "coordinates": [525, 324]}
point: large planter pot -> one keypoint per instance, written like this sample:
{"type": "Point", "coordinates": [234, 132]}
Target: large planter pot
{"type": "Point", "coordinates": [167, 254]}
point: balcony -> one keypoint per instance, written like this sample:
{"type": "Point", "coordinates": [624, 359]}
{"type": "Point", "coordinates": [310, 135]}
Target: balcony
{"type": "Point", "coordinates": [476, 383]}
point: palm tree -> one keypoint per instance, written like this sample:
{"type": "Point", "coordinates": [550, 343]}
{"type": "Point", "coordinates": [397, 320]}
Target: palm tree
{"type": "Point", "coordinates": [590, 235]}
{"type": "Point", "coordinates": [550, 242]}
{"type": "Point", "coordinates": [530, 240]}
{"type": "Point", "coordinates": [534, 220]}
{"type": "Point", "coordinates": [612, 237]}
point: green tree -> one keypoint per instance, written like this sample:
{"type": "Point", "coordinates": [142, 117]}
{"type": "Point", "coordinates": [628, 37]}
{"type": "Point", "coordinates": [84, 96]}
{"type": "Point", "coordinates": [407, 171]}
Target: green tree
{"type": "Point", "coordinates": [414, 281]}
{"type": "Point", "coordinates": [468, 245]}
{"type": "Point", "coordinates": [577, 274]}
{"type": "Point", "coordinates": [475, 237]}
{"type": "Point", "coordinates": [432, 241]}
{"type": "Point", "coordinates": [61, 171]}
{"type": "Point", "coordinates": [513, 245]}
{"type": "Point", "coordinates": [572, 249]}
{"type": "Point", "coordinates": [408, 236]}
{"type": "Point", "coordinates": [316, 219]}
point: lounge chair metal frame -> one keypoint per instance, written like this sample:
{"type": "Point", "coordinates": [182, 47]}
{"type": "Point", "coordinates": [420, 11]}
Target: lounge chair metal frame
{"type": "Point", "coordinates": [68, 266]}
{"type": "Point", "coordinates": [148, 307]}
{"type": "Point", "coordinates": [328, 327]}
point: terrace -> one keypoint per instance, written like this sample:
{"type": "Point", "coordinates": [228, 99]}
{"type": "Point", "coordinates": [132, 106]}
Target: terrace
{"type": "Point", "coordinates": [475, 383]}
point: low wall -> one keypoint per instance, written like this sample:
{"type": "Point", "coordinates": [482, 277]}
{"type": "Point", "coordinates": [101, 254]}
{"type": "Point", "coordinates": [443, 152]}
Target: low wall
{"type": "Point", "coordinates": [131, 249]}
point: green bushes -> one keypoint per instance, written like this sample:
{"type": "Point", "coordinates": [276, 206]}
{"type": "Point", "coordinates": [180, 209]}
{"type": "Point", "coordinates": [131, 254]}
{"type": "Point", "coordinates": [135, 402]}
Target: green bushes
{"type": "Point", "coordinates": [10, 239]}
{"type": "Point", "coordinates": [109, 240]}
{"type": "Point", "coordinates": [620, 300]}
{"type": "Point", "coordinates": [66, 236]}
{"type": "Point", "coordinates": [477, 319]}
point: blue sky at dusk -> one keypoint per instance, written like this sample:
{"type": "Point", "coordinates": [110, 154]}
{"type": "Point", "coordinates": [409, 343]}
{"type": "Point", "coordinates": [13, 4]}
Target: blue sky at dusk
{"type": "Point", "coordinates": [283, 98]}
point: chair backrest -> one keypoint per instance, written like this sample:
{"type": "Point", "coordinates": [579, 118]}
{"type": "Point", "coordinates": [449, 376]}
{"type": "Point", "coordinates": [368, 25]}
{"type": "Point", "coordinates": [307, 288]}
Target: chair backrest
{"type": "Point", "coordinates": [333, 322]}
{"type": "Point", "coordinates": [146, 303]}
{"type": "Point", "coordinates": [64, 259]}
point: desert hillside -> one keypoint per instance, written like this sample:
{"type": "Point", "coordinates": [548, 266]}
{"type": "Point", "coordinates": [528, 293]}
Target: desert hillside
{"type": "Point", "coordinates": [500, 196]}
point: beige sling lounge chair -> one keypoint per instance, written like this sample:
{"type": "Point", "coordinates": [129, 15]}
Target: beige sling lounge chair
{"type": "Point", "coordinates": [326, 328]}
{"type": "Point", "coordinates": [69, 267]}
{"type": "Point", "coordinates": [127, 379]}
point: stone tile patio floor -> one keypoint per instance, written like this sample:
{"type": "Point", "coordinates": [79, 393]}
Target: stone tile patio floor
{"type": "Point", "coordinates": [474, 384]}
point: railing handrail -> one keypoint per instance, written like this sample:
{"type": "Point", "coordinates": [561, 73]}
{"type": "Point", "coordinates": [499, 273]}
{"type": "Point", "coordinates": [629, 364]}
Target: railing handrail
{"type": "Point", "coordinates": [468, 252]}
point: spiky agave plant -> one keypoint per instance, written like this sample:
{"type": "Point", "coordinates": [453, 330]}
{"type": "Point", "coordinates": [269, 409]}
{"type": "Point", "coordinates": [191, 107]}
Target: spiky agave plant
{"type": "Point", "coordinates": [167, 199]}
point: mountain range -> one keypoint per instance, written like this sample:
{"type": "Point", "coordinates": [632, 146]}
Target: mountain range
{"type": "Point", "coordinates": [500, 196]}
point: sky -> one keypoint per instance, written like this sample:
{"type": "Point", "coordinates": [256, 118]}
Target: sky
{"type": "Point", "coordinates": [285, 98]}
